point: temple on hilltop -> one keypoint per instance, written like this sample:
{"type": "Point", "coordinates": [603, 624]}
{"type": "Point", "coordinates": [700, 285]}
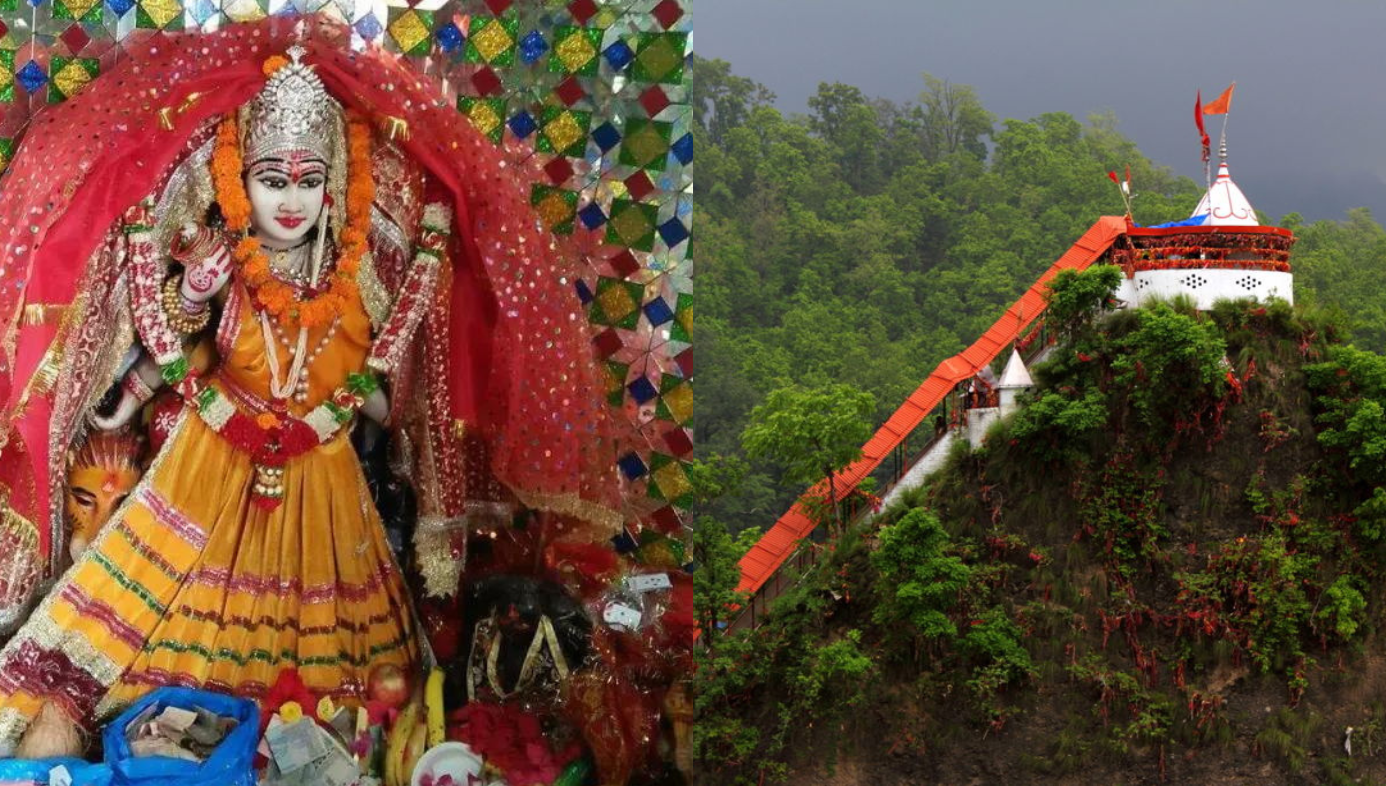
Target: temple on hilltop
{"type": "Point", "coordinates": [1220, 252]}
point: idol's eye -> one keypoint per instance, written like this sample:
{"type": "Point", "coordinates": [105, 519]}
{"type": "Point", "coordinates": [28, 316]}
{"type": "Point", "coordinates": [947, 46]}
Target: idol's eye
{"type": "Point", "coordinates": [274, 183]}
{"type": "Point", "coordinates": [311, 182]}
{"type": "Point", "coordinates": [84, 498]}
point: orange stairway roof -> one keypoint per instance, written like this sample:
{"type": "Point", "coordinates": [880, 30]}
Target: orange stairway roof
{"type": "Point", "coordinates": [780, 541]}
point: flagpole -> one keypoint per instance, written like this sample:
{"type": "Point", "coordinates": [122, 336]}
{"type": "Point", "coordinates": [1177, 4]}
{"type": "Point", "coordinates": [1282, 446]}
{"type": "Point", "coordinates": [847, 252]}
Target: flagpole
{"type": "Point", "coordinates": [1222, 142]}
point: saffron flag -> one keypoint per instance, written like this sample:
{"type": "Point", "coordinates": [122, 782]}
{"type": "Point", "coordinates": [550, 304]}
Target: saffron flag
{"type": "Point", "coordinates": [1222, 103]}
{"type": "Point", "coordinates": [1202, 132]}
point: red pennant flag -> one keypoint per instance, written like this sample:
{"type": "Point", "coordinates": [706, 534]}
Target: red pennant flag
{"type": "Point", "coordinates": [1114, 177]}
{"type": "Point", "coordinates": [1222, 104]}
{"type": "Point", "coordinates": [1128, 174]}
{"type": "Point", "coordinates": [1202, 132]}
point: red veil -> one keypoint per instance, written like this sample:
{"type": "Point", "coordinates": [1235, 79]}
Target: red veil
{"type": "Point", "coordinates": [512, 361]}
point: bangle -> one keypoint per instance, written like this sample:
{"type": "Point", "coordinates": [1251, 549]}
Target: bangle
{"type": "Point", "coordinates": [134, 384]}
{"type": "Point", "coordinates": [362, 384]}
{"type": "Point", "coordinates": [193, 248]}
{"type": "Point", "coordinates": [180, 318]}
{"type": "Point", "coordinates": [174, 371]}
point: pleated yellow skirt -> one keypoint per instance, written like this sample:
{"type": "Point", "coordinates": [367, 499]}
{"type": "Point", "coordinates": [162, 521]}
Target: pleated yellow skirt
{"type": "Point", "coordinates": [190, 584]}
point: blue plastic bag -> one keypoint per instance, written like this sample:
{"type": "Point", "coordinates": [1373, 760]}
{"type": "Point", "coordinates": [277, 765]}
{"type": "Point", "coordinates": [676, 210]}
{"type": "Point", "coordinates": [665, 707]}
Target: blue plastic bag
{"type": "Point", "coordinates": [14, 771]}
{"type": "Point", "coordinates": [231, 764]}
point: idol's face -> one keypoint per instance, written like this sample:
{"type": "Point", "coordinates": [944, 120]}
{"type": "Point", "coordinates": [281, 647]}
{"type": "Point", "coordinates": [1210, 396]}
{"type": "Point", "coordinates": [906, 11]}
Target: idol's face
{"type": "Point", "coordinates": [287, 192]}
{"type": "Point", "coordinates": [93, 494]}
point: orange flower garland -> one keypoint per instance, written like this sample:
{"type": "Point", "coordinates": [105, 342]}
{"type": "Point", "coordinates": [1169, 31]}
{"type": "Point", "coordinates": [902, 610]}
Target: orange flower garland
{"type": "Point", "coordinates": [271, 294]}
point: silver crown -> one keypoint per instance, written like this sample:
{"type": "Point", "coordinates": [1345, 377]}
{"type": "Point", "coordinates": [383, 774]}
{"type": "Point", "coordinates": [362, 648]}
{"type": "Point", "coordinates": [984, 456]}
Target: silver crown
{"type": "Point", "coordinates": [293, 112]}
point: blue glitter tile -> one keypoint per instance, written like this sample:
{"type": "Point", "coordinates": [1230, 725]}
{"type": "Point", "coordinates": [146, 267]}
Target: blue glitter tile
{"type": "Point", "coordinates": [369, 27]}
{"type": "Point", "coordinates": [119, 7]}
{"type": "Point", "coordinates": [533, 46]}
{"type": "Point", "coordinates": [642, 390]}
{"type": "Point", "coordinates": [31, 76]}
{"type": "Point", "coordinates": [632, 466]}
{"type": "Point", "coordinates": [522, 124]}
{"type": "Point", "coordinates": [673, 231]}
{"type": "Point", "coordinates": [592, 216]}
{"type": "Point", "coordinates": [619, 55]}
{"type": "Point", "coordinates": [683, 149]}
{"type": "Point", "coordinates": [449, 38]}
{"type": "Point", "coordinates": [606, 136]}
{"type": "Point", "coordinates": [658, 311]}
{"type": "Point", "coordinates": [625, 543]}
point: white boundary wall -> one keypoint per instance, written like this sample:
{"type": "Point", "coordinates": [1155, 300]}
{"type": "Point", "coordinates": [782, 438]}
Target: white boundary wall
{"type": "Point", "coordinates": [1207, 285]}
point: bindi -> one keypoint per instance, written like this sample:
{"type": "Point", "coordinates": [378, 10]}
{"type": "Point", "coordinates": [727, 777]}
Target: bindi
{"type": "Point", "coordinates": [295, 169]}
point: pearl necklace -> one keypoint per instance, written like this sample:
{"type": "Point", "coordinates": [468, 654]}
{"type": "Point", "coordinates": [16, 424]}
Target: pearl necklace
{"type": "Point", "coordinates": [295, 382]}
{"type": "Point", "coordinates": [289, 270]}
{"type": "Point", "coordinates": [301, 381]}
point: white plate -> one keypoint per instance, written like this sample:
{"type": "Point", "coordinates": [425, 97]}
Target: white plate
{"type": "Point", "coordinates": [448, 758]}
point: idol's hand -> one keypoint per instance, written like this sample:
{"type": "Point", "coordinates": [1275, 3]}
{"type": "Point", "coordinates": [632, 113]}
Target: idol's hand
{"type": "Point", "coordinates": [206, 262]}
{"type": "Point", "coordinates": [377, 407]}
{"type": "Point", "coordinates": [136, 389]}
{"type": "Point", "coordinates": [125, 411]}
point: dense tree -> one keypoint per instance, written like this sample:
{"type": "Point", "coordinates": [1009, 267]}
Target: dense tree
{"type": "Point", "coordinates": [812, 434]}
{"type": "Point", "coordinates": [866, 241]}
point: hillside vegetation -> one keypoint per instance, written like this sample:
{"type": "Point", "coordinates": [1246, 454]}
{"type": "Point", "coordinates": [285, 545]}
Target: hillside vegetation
{"type": "Point", "coordinates": [1165, 568]}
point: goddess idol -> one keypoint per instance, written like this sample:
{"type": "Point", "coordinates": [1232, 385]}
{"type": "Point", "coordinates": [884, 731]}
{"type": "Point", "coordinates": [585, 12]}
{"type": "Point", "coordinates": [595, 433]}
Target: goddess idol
{"type": "Point", "coordinates": [252, 240]}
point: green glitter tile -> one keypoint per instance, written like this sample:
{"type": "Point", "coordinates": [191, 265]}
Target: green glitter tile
{"type": "Point", "coordinates": [563, 131]}
{"type": "Point", "coordinates": [576, 50]}
{"type": "Point", "coordinates": [646, 144]}
{"type": "Point", "coordinates": [556, 207]}
{"type": "Point", "coordinates": [493, 41]}
{"type": "Point", "coordinates": [659, 57]}
{"type": "Point", "coordinates": [632, 224]}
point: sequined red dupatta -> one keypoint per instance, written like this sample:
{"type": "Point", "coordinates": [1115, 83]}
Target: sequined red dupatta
{"type": "Point", "coordinates": [520, 368]}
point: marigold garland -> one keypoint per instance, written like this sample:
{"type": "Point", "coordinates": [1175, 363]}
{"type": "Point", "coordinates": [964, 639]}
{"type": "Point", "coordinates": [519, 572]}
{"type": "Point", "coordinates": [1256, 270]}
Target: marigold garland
{"type": "Point", "coordinates": [271, 294]}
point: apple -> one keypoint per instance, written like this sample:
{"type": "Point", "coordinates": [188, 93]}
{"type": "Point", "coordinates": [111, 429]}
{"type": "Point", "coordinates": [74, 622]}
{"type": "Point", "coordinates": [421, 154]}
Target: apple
{"type": "Point", "coordinates": [389, 684]}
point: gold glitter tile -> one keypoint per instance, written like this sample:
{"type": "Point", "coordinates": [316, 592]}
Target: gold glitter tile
{"type": "Point", "coordinates": [672, 480]}
{"type": "Point", "coordinates": [616, 303]}
{"type": "Point", "coordinates": [162, 12]}
{"type": "Point", "coordinates": [409, 31]}
{"type": "Point", "coordinates": [575, 52]}
{"type": "Point", "coordinates": [563, 132]}
{"type": "Point", "coordinates": [613, 382]}
{"type": "Point", "coordinates": [630, 226]}
{"type": "Point", "coordinates": [492, 41]}
{"type": "Point", "coordinates": [484, 117]}
{"type": "Point", "coordinates": [643, 146]}
{"type": "Point", "coordinates": [72, 78]}
{"type": "Point", "coordinates": [554, 210]}
{"type": "Point", "coordinates": [680, 402]}
{"type": "Point", "coordinates": [79, 8]}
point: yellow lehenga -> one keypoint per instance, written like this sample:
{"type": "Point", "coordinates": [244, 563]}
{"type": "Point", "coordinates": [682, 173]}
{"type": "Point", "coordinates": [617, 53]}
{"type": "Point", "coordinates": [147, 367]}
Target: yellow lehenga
{"type": "Point", "coordinates": [192, 584]}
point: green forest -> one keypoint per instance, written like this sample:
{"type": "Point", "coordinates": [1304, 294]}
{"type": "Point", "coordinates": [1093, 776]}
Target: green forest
{"type": "Point", "coordinates": [864, 242]}
{"type": "Point", "coordinates": [1166, 567]}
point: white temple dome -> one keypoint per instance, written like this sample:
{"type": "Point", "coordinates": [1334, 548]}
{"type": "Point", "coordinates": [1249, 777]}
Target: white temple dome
{"type": "Point", "coordinates": [1224, 203]}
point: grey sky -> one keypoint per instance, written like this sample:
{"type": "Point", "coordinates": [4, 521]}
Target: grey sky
{"type": "Point", "coordinates": [1308, 126]}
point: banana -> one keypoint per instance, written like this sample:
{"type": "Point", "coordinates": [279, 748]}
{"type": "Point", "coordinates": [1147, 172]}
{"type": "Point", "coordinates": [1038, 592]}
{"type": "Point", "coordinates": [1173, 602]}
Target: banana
{"type": "Point", "coordinates": [400, 733]}
{"type": "Point", "coordinates": [433, 701]}
{"type": "Point", "coordinates": [418, 741]}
